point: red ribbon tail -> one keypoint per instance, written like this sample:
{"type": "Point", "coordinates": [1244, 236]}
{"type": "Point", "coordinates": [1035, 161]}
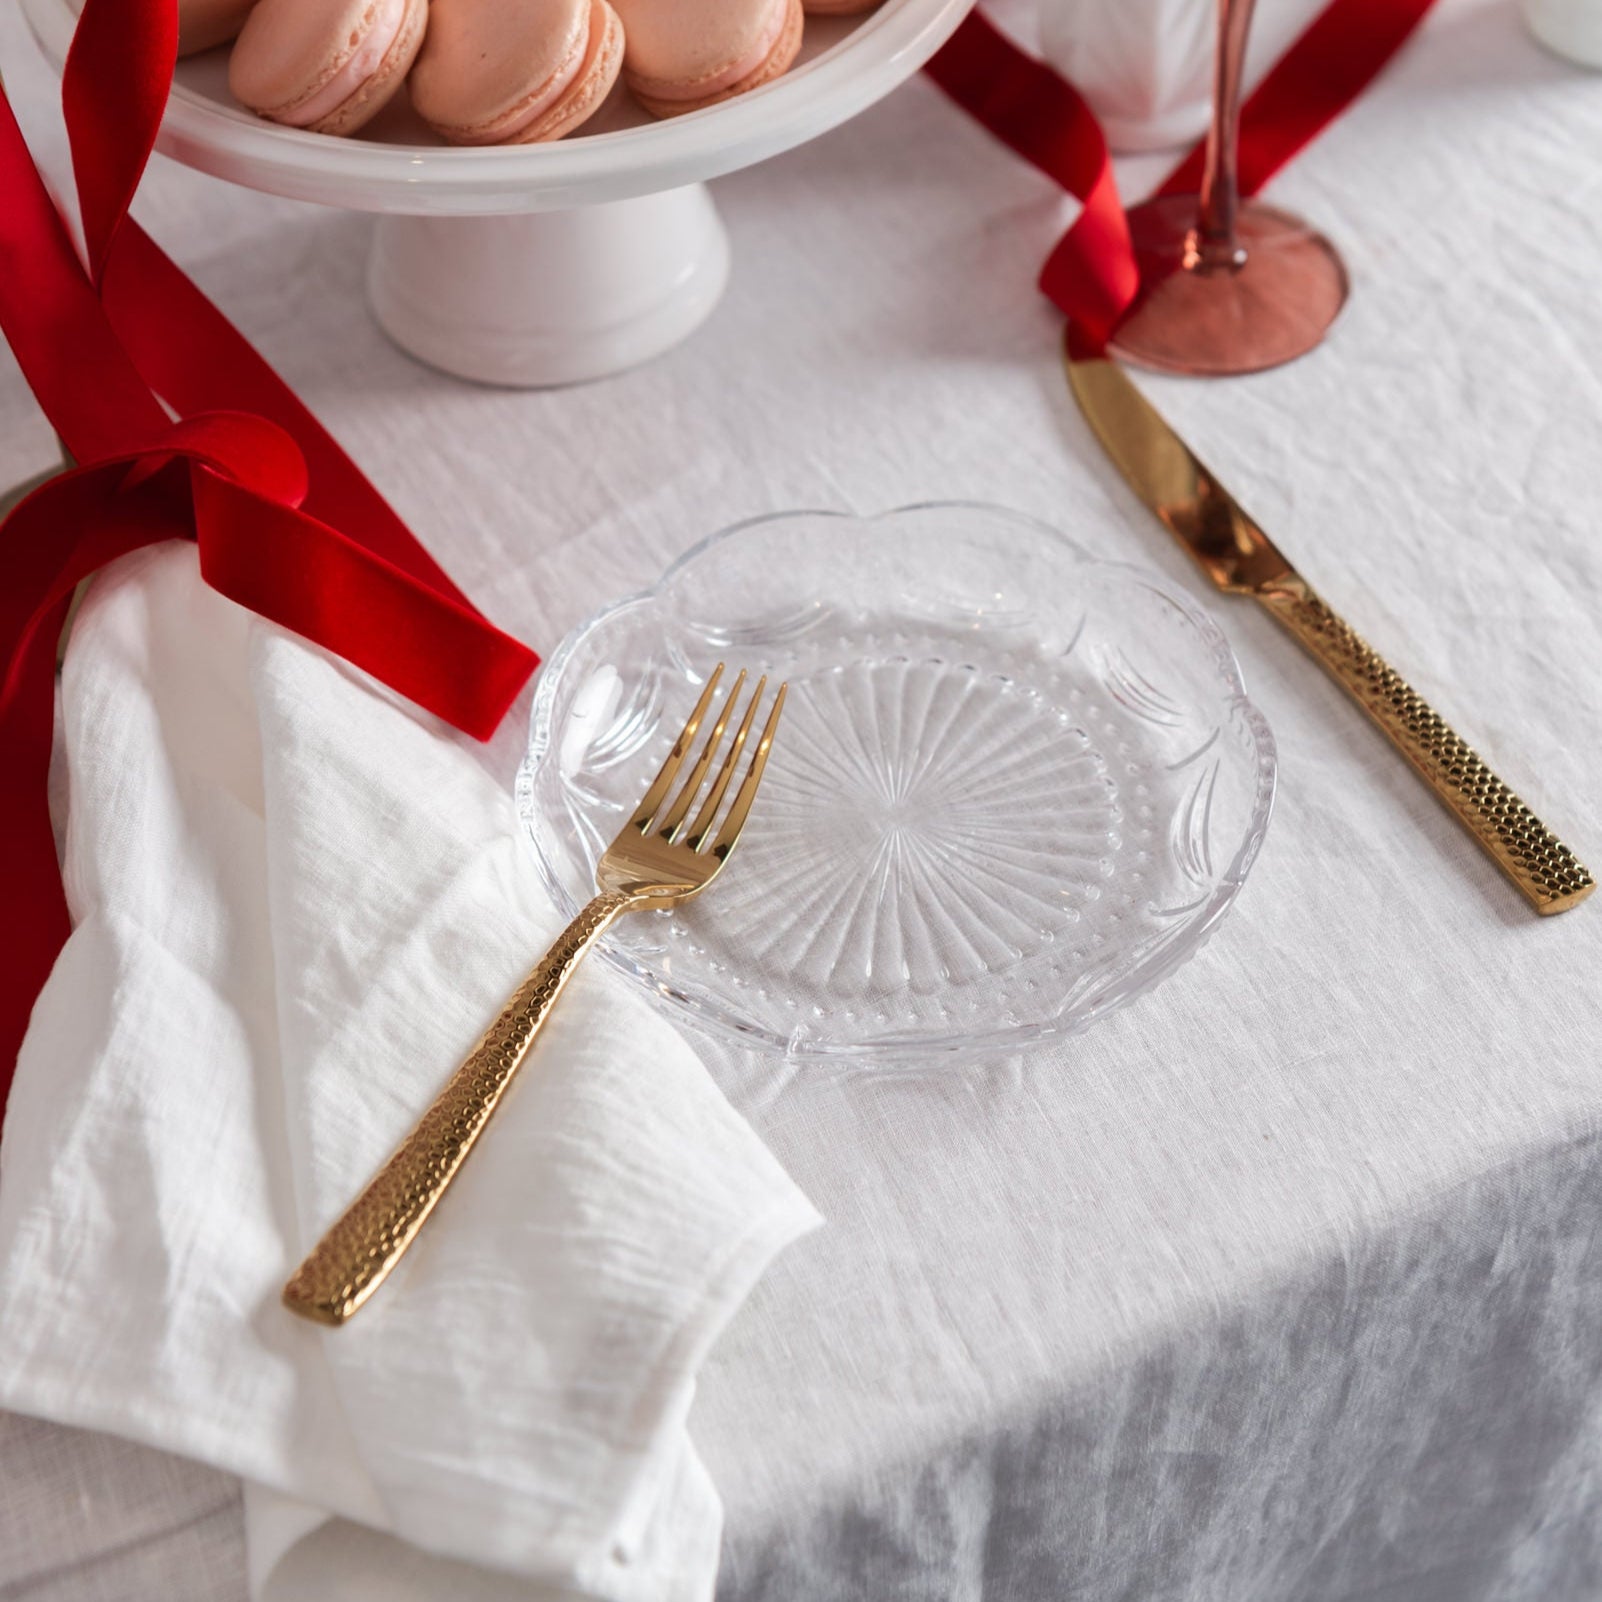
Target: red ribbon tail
{"type": "Point", "coordinates": [435, 651]}
{"type": "Point", "coordinates": [46, 557]}
{"type": "Point", "coordinates": [1091, 275]}
{"type": "Point", "coordinates": [35, 925]}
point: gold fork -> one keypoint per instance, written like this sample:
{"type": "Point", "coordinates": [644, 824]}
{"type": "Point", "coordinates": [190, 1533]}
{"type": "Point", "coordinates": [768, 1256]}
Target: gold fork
{"type": "Point", "coordinates": [654, 862]}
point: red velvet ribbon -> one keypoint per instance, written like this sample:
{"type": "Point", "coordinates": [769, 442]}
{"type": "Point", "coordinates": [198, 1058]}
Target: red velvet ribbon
{"type": "Point", "coordinates": [285, 523]}
{"type": "Point", "coordinates": [1092, 276]}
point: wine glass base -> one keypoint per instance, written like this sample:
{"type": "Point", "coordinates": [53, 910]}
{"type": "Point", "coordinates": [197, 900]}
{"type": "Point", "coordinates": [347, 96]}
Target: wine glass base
{"type": "Point", "coordinates": [1214, 321]}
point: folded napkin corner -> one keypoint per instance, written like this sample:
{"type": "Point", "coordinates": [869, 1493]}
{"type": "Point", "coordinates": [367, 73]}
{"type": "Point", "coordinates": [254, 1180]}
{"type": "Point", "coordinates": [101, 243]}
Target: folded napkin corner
{"type": "Point", "coordinates": [298, 904]}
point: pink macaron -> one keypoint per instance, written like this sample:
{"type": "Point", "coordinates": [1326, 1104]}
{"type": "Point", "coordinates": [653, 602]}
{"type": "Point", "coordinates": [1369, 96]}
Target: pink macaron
{"type": "Point", "coordinates": [686, 54]}
{"type": "Point", "coordinates": [205, 23]}
{"type": "Point", "coordinates": [515, 72]}
{"type": "Point", "coordinates": [326, 65]}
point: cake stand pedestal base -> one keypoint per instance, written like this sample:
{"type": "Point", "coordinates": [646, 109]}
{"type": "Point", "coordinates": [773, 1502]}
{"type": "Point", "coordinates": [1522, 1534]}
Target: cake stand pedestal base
{"type": "Point", "coordinates": [554, 297]}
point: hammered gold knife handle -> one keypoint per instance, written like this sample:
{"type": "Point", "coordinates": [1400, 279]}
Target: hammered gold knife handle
{"type": "Point", "coordinates": [1551, 877]}
{"type": "Point", "coordinates": [352, 1260]}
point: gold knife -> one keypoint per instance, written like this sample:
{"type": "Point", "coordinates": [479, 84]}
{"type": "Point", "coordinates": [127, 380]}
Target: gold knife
{"type": "Point", "coordinates": [1241, 560]}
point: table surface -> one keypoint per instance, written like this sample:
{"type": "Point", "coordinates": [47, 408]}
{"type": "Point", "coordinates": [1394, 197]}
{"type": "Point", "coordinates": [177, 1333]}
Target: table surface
{"type": "Point", "coordinates": [1283, 1282]}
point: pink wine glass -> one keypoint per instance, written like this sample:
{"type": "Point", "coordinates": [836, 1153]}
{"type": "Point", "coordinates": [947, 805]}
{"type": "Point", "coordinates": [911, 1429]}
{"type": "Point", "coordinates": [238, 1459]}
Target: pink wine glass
{"type": "Point", "coordinates": [1227, 285]}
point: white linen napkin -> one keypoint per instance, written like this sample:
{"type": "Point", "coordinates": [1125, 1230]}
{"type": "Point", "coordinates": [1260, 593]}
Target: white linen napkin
{"type": "Point", "coordinates": [297, 903]}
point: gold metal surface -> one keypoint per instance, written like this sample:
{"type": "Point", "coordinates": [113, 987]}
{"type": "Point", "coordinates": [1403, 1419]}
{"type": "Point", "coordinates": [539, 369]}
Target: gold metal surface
{"type": "Point", "coordinates": [657, 860]}
{"type": "Point", "coordinates": [1162, 470]}
{"type": "Point", "coordinates": [1240, 558]}
{"type": "Point", "coordinates": [12, 498]}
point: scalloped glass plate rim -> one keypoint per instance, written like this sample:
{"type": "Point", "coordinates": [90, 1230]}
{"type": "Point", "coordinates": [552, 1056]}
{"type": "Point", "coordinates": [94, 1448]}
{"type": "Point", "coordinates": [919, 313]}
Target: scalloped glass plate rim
{"type": "Point", "coordinates": [748, 1033]}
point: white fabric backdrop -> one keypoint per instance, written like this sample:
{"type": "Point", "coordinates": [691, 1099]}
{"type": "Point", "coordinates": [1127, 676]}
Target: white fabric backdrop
{"type": "Point", "coordinates": [1285, 1282]}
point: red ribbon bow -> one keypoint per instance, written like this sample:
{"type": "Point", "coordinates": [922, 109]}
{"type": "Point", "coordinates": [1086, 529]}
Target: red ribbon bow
{"type": "Point", "coordinates": [284, 521]}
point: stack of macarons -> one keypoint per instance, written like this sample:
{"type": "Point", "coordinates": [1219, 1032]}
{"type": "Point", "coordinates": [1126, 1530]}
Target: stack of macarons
{"type": "Point", "coordinates": [494, 72]}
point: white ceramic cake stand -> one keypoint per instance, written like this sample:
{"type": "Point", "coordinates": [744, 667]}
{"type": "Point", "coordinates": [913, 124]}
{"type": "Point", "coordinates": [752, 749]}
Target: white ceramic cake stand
{"type": "Point", "coordinates": [543, 264]}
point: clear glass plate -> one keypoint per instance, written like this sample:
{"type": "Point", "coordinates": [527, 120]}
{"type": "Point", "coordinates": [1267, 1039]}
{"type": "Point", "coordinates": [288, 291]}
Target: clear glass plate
{"type": "Point", "coordinates": [1014, 787]}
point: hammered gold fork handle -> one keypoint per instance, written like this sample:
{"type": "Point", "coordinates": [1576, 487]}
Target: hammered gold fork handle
{"type": "Point", "coordinates": [352, 1260]}
{"type": "Point", "coordinates": [1551, 877]}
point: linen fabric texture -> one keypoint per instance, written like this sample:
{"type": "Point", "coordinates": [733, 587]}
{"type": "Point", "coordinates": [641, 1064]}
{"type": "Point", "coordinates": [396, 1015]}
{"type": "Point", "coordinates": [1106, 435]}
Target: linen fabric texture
{"type": "Point", "coordinates": [297, 904]}
{"type": "Point", "coordinates": [1283, 1283]}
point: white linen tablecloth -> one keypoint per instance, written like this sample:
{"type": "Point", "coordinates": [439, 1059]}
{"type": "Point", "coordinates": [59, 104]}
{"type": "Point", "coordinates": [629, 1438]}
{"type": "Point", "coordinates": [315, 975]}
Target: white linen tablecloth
{"type": "Point", "coordinates": [1286, 1282]}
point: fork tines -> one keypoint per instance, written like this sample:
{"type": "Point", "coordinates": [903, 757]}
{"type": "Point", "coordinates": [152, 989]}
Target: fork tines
{"type": "Point", "coordinates": [669, 823]}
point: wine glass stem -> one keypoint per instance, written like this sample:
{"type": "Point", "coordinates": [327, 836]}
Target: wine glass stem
{"type": "Point", "coordinates": [1215, 241]}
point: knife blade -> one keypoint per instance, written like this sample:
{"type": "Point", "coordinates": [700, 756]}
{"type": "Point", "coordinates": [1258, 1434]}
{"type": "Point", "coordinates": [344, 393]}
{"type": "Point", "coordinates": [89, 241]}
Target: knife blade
{"type": "Point", "coordinates": [1235, 553]}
